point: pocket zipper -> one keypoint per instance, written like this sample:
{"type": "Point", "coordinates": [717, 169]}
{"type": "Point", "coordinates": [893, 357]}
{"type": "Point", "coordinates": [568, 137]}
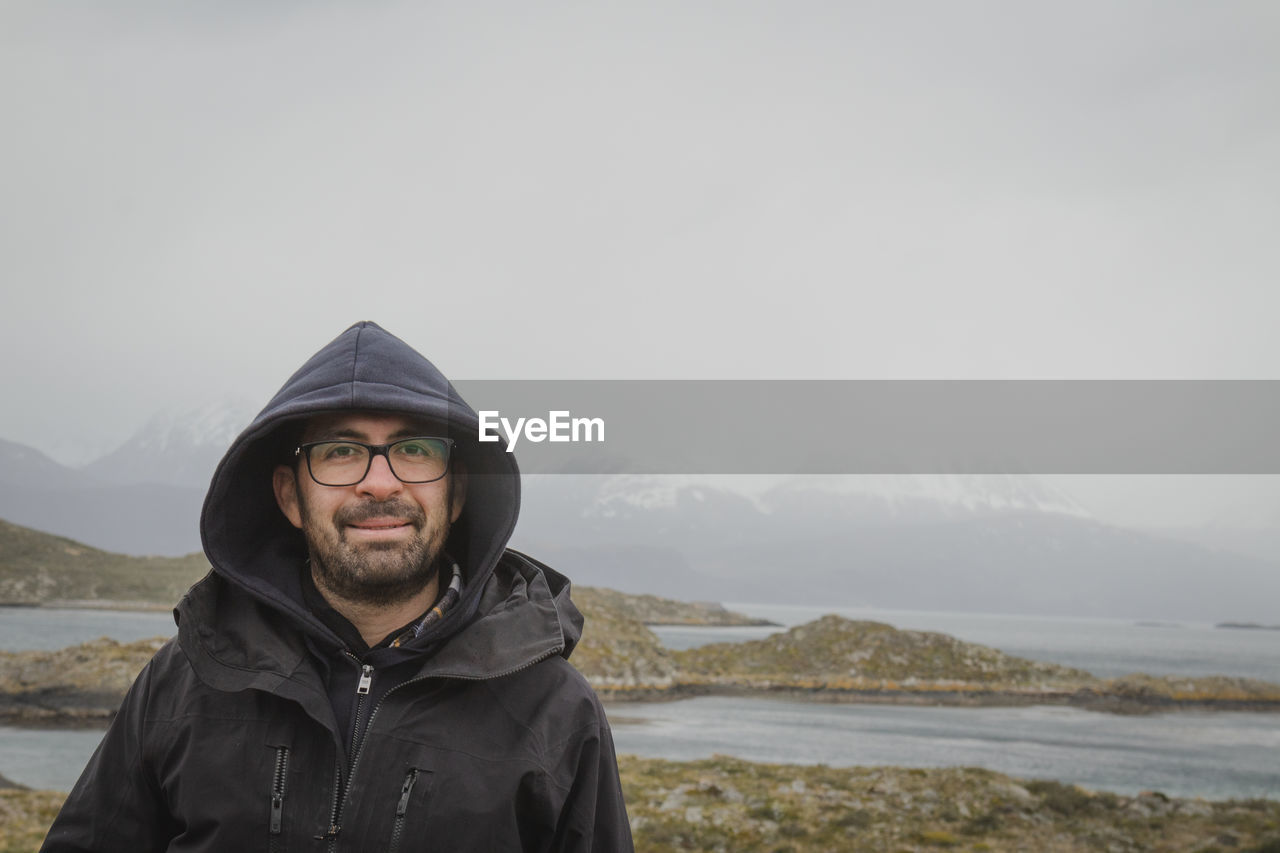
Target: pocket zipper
{"type": "Point", "coordinates": [277, 793]}
{"type": "Point", "coordinates": [402, 808]}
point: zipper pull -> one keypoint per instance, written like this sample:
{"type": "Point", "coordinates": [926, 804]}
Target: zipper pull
{"type": "Point", "coordinates": [366, 678]}
{"type": "Point", "coordinates": [405, 790]}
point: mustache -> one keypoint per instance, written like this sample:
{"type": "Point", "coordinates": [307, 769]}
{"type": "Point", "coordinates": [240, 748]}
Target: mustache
{"type": "Point", "coordinates": [370, 510]}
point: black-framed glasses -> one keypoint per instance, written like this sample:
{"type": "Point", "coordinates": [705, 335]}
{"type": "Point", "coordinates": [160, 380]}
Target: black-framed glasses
{"type": "Point", "coordinates": [340, 462]}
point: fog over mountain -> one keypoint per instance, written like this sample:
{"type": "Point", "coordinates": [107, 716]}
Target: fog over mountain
{"type": "Point", "coordinates": [175, 447]}
{"type": "Point", "coordinates": [974, 544]}
{"type": "Point", "coordinates": [142, 497]}
{"type": "Point", "coordinates": [995, 543]}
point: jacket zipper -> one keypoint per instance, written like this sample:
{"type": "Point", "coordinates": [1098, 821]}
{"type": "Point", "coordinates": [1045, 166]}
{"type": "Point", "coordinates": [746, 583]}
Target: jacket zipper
{"type": "Point", "coordinates": [362, 690]}
{"type": "Point", "coordinates": [277, 795]}
{"type": "Point", "coordinates": [357, 741]}
{"type": "Point", "coordinates": [342, 787]}
{"type": "Point", "coordinates": [401, 808]}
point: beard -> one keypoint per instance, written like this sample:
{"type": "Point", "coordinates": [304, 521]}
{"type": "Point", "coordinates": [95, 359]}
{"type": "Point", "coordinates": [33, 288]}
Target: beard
{"type": "Point", "coordinates": [374, 573]}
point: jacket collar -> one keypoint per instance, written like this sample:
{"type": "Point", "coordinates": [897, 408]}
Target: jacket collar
{"type": "Point", "coordinates": [235, 641]}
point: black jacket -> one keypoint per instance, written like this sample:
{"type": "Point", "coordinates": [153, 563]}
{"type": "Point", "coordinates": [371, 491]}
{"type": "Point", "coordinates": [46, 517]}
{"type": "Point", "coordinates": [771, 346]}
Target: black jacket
{"type": "Point", "coordinates": [479, 734]}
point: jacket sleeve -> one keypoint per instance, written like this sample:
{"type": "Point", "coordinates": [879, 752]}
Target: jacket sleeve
{"type": "Point", "coordinates": [594, 816]}
{"type": "Point", "coordinates": [115, 805]}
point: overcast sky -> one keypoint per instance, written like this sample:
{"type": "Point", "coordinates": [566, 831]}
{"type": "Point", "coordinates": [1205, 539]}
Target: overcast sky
{"type": "Point", "coordinates": [195, 197]}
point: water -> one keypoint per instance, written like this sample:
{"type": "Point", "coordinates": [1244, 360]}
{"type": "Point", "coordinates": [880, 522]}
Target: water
{"type": "Point", "coordinates": [23, 628]}
{"type": "Point", "coordinates": [1185, 754]}
{"type": "Point", "coordinates": [49, 759]}
{"type": "Point", "coordinates": [1190, 754]}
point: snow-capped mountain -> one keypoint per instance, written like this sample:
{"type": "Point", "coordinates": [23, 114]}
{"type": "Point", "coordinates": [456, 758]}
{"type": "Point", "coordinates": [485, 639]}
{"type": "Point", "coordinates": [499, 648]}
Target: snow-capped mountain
{"type": "Point", "coordinates": [899, 497]}
{"type": "Point", "coordinates": [143, 497]}
{"type": "Point", "coordinates": [995, 544]}
{"type": "Point", "coordinates": [177, 447]}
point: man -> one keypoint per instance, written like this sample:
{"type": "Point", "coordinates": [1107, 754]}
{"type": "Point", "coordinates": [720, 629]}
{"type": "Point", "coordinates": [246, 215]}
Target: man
{"type": "Point", "coordinates": [367, 667]}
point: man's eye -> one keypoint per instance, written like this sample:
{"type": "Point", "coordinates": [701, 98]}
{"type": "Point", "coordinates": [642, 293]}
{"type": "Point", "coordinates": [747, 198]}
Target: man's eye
{"type": "Point", "coordinates": [418, 449]}
{"type": "Point", "coordinates": [340, 451]}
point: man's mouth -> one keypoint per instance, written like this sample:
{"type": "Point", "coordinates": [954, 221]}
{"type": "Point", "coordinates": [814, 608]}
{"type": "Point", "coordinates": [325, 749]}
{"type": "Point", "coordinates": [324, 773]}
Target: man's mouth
{"type": "Point", "coordinates": [380, 526]}
{"type": "Point", "coordinates": [371, 522]}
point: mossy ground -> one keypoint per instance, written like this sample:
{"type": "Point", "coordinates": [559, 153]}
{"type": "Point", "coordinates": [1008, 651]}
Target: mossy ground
{"type": "Point", "coordinates": [25, 817]}
{"type": "Point", "coordinates": [725, 804]}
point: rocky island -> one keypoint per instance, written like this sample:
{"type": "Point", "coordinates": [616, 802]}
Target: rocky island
{"type": "Point", "coordinates": [652, 610]}
{"type": "Point", "coordinates": [837, 659]}
{"type": "Point", "coordinates": [831, 659]}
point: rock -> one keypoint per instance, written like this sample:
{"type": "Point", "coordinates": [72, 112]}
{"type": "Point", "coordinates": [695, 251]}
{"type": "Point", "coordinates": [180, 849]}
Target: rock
{"type": "Point", "coordinates": [1197, 807]}
{"type": "Point", "coordinates": [1016, 792]}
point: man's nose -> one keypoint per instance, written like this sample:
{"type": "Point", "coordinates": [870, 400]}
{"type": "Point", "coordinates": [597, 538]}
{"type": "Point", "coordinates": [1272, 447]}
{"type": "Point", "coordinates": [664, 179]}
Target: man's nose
{"type": "Point", "coordinates": [380, 482]}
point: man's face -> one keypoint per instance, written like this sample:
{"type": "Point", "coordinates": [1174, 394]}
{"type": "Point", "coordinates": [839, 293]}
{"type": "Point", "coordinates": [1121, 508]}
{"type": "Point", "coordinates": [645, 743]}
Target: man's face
{"type": "Point", "coordinates": [375, 542]}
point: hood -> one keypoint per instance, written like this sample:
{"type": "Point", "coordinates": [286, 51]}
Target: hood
{"type": "Point", "coordinates": [248, 540]}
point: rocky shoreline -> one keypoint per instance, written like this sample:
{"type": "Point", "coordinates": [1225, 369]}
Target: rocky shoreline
{"type": "Point", "coordinates": [76, 687]}
{"type": "Point", "coordinates": [839, 660]}
{"type": "Point", "coordinates": [829, 660]}
{"type": "Point", "coordinates": [1085, 699]}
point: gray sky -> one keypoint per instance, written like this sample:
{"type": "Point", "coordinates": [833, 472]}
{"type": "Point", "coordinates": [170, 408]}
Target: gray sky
{"type": "Point", "coordinates": [194, 197]}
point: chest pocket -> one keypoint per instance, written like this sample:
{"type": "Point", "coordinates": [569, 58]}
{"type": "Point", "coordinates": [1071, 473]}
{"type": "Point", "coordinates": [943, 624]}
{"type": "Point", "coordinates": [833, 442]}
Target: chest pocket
{"type": "Point", "coordinates": [414, 792]}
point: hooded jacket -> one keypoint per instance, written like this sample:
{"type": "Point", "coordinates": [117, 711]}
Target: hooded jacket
{"type": "Point", "coordinates": [256, 729]}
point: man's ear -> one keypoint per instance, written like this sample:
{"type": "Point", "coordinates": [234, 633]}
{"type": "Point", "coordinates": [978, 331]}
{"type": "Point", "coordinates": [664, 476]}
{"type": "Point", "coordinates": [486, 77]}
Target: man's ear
{"type": "Point", "coordinates": [284, 482]}
{"type": "Point", "coordinates": [459, 491]}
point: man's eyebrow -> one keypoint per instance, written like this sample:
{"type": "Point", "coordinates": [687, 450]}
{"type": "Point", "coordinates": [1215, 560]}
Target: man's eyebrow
{"type": "Point", "coordinates": [416, 432]}
{"type": "Point", "coordinates": [346, 432]}
{"type": "Point", "coordinates": [360, 435]}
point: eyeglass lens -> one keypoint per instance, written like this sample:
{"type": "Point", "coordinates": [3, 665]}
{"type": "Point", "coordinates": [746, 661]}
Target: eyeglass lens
{"type": "Point", "coordinates": [345, 463]}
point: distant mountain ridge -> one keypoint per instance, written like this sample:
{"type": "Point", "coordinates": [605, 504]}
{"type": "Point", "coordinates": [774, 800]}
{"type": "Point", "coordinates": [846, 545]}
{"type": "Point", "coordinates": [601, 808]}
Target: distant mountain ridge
{"type": "Point", "coordinates": [144, 497]}
{"type": "Point", "coordinates": [798, 545]}
{"type": "Point", "coordinates": [950, 542]}
{"type": "Point", "coordinates": [25, 467]}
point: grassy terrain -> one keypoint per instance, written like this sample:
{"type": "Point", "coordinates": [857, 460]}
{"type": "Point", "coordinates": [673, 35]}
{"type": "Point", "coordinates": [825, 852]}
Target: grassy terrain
{"type": "Point", "coordinates": [652, 610]}
{"type": "Point", "coordinates": [39, 568]}
{"type": "Point", "coordinates": [838, 650]}
{"type": "Point", "coordinates": [724, 804]}
{"type": "Point", "coordinates": [617, 652]}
